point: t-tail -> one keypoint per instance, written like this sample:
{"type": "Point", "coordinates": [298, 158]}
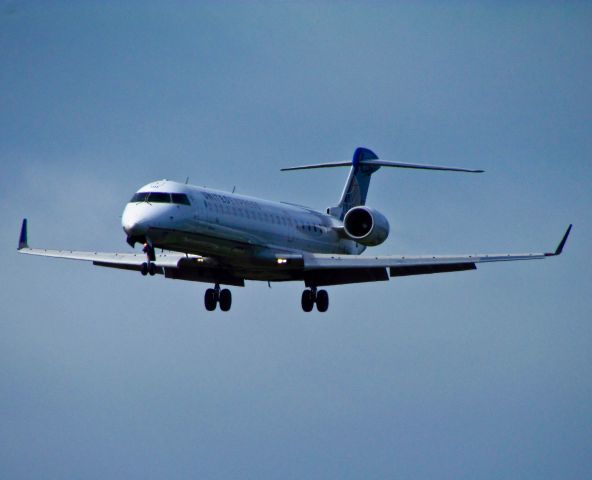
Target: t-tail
{"type": "Point", "coordinates": [364, 163]}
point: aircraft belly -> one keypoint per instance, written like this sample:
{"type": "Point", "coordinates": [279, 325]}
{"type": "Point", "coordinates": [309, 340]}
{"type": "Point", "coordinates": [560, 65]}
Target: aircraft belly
{"type": "Point", "coordinates": [251, 255]}
{"type": "Point", "coordinates": [199, 243]}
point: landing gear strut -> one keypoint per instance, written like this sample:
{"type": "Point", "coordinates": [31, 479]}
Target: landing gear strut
{"type": "Point", "coordinates": [311, 296]}
{"type": "Point", "coordinates": [148, 267]}
{"type": "Point", "coordinates": [214, 296]}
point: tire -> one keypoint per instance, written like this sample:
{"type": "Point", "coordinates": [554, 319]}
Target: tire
{"type": "Point", "coordinates": [151, 269]}
{"type": "Point", "coordinates": [210, 299]}
{"type": "Point", "coordinates": [322, 301]}
{"type": "Point", "coordinates": [307, 301]}
{"type": "Point", "coordinates": [144, 269]}
{"type": "Point", "coordinates": [225, 300]}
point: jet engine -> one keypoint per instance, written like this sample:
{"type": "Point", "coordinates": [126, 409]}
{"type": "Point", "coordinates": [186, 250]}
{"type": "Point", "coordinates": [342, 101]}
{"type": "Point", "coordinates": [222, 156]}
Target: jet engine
{"type": "Point", "coordinates": [366, 225]}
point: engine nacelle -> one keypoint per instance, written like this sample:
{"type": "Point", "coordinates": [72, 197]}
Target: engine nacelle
{"type": "Point", "coordinates": [366, 226]}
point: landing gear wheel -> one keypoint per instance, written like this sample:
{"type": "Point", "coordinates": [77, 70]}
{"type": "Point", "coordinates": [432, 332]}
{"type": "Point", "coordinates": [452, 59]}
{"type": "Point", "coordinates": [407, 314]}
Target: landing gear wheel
{"type": "Point", "coordinates": [144, 269]}
{"type": "Point", "coordinates": [322, 301]}
{"type": "Point", "coordinates": [210, 299]}
{"type": "Point", "coordinates": [151, 269]}
{"type": "Point", "coordinates": [308, 300]}
{"type": "Point", "coordinates": [225, 300]}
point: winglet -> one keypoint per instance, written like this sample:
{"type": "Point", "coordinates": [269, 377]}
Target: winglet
{"type": "Point", "coordinates": [23, 243]}
{"type": "Point", "coordinates": [559, 248]}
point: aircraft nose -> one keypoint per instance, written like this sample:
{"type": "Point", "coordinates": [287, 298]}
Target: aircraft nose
{"type": "Point", "coordinates": [134, 228]}
{"type": "Point", "coordinates": [134, 224]}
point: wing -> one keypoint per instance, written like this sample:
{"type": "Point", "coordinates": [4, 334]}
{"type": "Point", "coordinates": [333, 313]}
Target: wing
{"type": "Point", "coordinates": [127, 261]}
{"type": "Point", "coordinates": [323, 269]}
{"type": "Point", "coordinates": [170, 264]}
{"type": "Point", "coordinates": [314, 269]}
{"type": "Point", "coordinates": [130, 261]}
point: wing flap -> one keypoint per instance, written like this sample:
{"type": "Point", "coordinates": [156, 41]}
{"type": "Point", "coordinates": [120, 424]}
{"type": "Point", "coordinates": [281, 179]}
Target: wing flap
{"type": "Point", "coordinates": [427, 269]}
{"type": "Point", "coordinates": [342, 276]}
{"type": "Point", "coordinates": [127, 266]}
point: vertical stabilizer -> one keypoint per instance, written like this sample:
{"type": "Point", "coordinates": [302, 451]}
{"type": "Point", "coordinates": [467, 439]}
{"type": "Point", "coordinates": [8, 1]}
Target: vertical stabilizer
{"type": "Point", "coordinates": [357, 184]}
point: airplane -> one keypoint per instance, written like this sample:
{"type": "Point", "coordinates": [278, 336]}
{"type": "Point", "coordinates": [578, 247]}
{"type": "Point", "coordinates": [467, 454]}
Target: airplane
{"type": "Point", "coordinates": [224, 239]}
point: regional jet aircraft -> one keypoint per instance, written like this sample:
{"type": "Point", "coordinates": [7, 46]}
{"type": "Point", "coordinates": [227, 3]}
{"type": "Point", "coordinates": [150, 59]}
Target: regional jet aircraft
{"type": "Point", "coordinates": [221, 238]}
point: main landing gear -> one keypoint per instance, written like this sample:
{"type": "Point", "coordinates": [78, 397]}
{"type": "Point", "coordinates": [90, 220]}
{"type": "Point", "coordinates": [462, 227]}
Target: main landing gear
{"type": "Point", "coordinates": [214, 296]}
{"type": "Point", "coordinates": [311, 296]}
{"type": "Point", "coordinates": [148, 268]}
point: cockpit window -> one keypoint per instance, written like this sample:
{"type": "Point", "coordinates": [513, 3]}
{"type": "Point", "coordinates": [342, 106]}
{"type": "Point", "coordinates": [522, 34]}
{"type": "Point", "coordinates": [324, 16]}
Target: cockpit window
{"type": "Point", "coordinates": [139, 197]}
{"type": "Point", "coordinates": [152, 197]}
{"type": "Point", "coordinates": [161, 197]}
{"type": "Point", "coordinates": [180, 199]}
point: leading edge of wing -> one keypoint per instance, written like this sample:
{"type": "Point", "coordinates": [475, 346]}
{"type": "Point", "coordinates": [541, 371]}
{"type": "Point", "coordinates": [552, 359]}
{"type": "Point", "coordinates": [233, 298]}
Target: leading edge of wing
{"type": "Point", "coordinates": [316, 261]}
{"type": "Point", "coordinates": [326, 261]}
{"type": "Point", "coordinates": [110, 258]}
{"type": "Point", "coordinates": [168, 259]}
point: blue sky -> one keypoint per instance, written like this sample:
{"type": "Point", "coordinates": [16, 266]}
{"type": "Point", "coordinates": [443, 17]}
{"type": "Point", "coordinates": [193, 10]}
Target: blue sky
{"type": "Point", "coordinates": [480, 374]}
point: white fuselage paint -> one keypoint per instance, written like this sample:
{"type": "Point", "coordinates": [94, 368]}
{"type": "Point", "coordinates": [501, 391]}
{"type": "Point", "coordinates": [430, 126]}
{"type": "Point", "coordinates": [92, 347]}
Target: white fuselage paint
{"type": "Point", "coordinates": [221, 224]}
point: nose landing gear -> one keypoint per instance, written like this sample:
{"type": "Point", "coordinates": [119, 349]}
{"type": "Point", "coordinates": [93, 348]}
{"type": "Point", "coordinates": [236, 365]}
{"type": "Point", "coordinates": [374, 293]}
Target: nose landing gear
{"type": "Point", "coordinates": [214, 296]}
{"type": "Point", "coordinates": [148, 268]}
{"type": "Point", "coordinates": [311, 296]}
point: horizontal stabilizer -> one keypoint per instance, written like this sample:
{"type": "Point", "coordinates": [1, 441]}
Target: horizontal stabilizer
{"type": "Point", "coordinates": [318, 165]}
{"type": "Point", "coordinates": [383, 163]}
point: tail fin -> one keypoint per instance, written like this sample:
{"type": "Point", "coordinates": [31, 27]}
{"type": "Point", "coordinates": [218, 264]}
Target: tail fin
{"type": "Point", "coordinates": [356, 187]}
{"type": "Point", "coordinates": [364, 163]}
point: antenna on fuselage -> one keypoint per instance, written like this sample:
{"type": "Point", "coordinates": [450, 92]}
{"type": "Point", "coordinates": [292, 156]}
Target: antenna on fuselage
{"type": "Point", "coordinates": [186, 180]}
{"type": "Point", "coordinates": [233, 189]}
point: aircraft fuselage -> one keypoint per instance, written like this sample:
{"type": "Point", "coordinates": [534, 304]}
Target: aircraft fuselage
{"type": "Point", "coordinates": [222, 225]}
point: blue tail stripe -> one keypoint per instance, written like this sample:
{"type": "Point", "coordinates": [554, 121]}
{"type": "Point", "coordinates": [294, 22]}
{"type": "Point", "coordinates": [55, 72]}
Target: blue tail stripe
{"type": "Point", "coordinates": [362, 153]}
